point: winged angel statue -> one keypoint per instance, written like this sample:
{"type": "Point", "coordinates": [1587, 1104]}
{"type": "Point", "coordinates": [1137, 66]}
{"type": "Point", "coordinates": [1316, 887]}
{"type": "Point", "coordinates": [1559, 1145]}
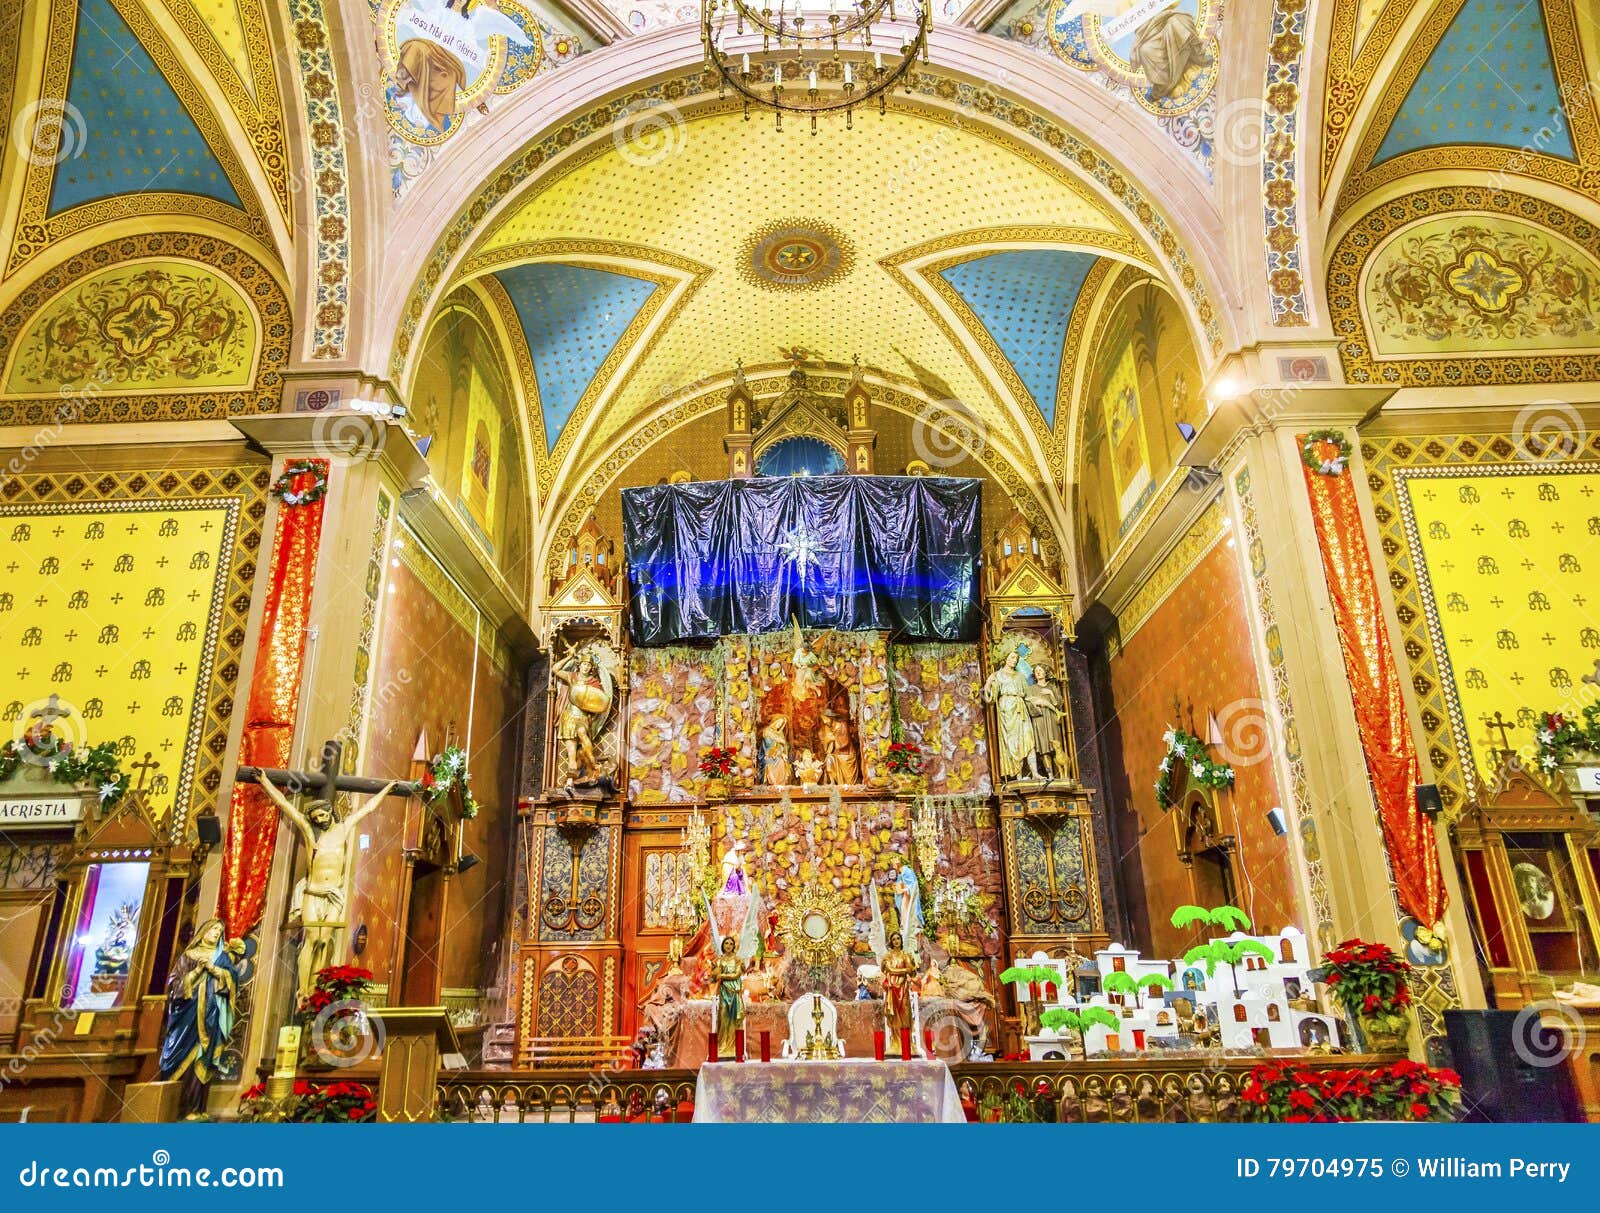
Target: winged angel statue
{"type": "Point", "coordinates": [733, 956]}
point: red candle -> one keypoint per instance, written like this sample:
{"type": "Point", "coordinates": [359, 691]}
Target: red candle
{"type": "Point", "coordinates": [905, 1044]}
{"type": "Point", "coordinates": [877, 1045]}
{"type": "Point", "coordinates": [766, 1045]}
{"type": "Point", "coordinates": [738, 1044]}
{"type": "Point", "coordinates": [711, 1050]}
{"type": "Point", "coordinates": [927, 1041]}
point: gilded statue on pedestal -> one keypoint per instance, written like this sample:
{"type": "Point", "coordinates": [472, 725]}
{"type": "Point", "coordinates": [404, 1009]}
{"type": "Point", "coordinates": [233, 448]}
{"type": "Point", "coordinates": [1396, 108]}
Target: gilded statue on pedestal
{"type": "Point", "coordinates": [1008, 688]}
{"type": "Point", "coordinates": [1046, 707]}
{"type": "Point", "coordinates": [734, 953]}
{"type": "Point", "coordinates": [585, 708]}
{"type": "Point", "coordinates": [899, 968]}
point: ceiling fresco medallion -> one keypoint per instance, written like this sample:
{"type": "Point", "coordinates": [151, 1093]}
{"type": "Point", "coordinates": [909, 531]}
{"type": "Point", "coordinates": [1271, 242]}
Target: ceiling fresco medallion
{"type": "Point", "coordinates": [793, 255]}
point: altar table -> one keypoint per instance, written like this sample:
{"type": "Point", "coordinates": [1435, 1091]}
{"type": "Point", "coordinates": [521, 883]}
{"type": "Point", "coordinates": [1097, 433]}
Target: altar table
{"type": "Point", "coordinates": [850, 1091]}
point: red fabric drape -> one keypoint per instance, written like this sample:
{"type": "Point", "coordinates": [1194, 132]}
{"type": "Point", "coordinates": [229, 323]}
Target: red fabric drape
{"type": "Point", "coordinates": [1380, 708]}
{"type": "Point", "coordinates": [269, 719]}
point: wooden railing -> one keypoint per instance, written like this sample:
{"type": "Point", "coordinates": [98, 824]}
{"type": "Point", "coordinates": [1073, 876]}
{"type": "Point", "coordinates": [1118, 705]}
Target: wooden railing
{"type": "Point", "coordinates": [574, 1096]}
{"type": "Point", "coordinates": [1149, 1089]}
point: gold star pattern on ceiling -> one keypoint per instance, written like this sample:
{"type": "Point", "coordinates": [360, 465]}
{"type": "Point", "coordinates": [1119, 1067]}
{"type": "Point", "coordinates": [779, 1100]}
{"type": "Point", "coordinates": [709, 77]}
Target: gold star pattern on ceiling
{"type": "Point", "coordinates": [897, 180]}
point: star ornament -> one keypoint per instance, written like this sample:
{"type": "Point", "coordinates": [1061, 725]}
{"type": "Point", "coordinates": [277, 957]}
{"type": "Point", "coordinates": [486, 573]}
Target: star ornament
{"type": "Point", "coordinates": [801, 548]}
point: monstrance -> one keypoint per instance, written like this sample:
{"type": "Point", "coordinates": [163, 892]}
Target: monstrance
{"type": "Point", "coordinates": [817, 925]}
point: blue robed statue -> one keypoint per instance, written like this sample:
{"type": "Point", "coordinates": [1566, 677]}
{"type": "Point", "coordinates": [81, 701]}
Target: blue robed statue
{"type": "Point", "coordinates": [202, 1004]}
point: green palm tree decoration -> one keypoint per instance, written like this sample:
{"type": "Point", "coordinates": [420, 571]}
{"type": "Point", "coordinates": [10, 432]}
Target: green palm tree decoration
{"type": "Point", "coordinates": [1230, 954]}
{"type": "Point", "coordinates": [1121, 983]}
{"type": "Point", "coordinates": [1227, 918]}
{"type": "Point", "coordinates": [1153, 981]}
{"type": "Point", "coordinates": [1079, 1021]}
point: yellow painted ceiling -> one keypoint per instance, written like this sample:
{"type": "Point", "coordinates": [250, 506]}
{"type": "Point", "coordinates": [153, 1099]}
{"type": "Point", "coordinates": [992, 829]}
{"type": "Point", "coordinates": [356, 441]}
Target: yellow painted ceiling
{"type": "Point", "coordinates": [226, 23]}
{"type": "Point", "coordinates": [705, 189]}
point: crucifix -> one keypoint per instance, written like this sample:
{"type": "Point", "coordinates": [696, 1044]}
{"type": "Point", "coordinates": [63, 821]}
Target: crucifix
{"type": "Point", "coordinates": [321, 893]}
{"type": "Point", "coordinates": [1499, 724]}
{"type": "Point", "coordinates": [144, 768]}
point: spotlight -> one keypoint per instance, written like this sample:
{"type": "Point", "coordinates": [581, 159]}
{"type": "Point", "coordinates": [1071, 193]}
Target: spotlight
{"type": "Point", "coordinates": [424, 445]}
{"type": "Point", "coordinates": [1185, 431]}
{"type": "Point", "coordinates": [467, 862]}
{"type": "Point", "coordinates": [1276, 820]}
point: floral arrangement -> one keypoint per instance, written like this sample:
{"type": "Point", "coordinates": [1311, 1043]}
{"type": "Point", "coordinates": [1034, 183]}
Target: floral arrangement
{"type": "Point", "coordinates": [334, 984]}
{"type": "Point", "coordinates": [716, 762]}
{"type": "Point", "coordinates": [1407, 1090]}
{"type": "Point", "coordinates": [1187, 752]}
{"type": "Point", "coordinates": [1369, 980]}
{"type": "Point", "coordinates": [904, 758]}
{"type": "Point", "coordinates": [97, 765]}
{"type": "Point", "coordinates": [1558, 736]}
{"type": "Point", "coordinates": [1326, 452]}
{"type": "Point", "coordinates": [337, 1103]}
{"type": "Point", "coordinates": [290, 487]}
{"type": "Point", "coordinates": [445, 772]}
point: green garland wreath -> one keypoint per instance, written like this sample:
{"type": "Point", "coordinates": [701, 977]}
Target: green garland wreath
{"type": "Point", "coordinates": [444, 773]}
{"type": "Point", "coordinates": [97, 765]}
{"type": "Point", "coordinates": [1189, 750]}
{"type": "Point", "coordinates": [1312, 455]}
{"type": "Point", "coordinates": [1558, 737]}
{"type": "Point", "coordinates": [283, 487]}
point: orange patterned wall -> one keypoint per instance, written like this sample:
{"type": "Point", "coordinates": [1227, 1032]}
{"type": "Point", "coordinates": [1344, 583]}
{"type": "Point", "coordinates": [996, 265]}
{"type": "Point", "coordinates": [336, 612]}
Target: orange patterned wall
{"type": "Point", "coordinates": [423, 679]}
{"type": "Point", "coordinates": [1193, 656]}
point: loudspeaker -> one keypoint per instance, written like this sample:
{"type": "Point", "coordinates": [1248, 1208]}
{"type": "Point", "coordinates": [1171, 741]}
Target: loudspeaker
{"type": "Point", "coordinates": [208, 828]}
{"type": "Point", "coordinates": [1428, 801]}
{"type": "Point", "coordinates": [1275, 819]}
{"type": "Point", "coordinates": [1513, 1069]}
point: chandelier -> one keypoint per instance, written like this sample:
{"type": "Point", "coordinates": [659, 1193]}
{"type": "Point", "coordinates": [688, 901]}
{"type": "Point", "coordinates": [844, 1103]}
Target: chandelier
{"type": "Point", "coordinates": [804, 68]}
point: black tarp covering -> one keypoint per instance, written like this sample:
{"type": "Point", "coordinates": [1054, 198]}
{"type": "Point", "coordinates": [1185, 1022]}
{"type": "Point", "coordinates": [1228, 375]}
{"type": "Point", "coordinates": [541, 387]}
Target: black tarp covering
{"type": "Point", "coordinates": [856, 553]}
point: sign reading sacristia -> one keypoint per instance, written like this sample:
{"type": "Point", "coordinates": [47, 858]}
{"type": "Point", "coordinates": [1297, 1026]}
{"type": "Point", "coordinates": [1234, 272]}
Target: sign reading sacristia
{"type": "Point", "coordinates": [41, 811]}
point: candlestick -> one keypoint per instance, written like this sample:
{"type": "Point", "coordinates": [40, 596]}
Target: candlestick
{"type": "Point", "coordinates": [812, 84]}
{"type": "Point", "coordinates": [848, 80]}
{"type": "Point", "coordinates": [747, 64]}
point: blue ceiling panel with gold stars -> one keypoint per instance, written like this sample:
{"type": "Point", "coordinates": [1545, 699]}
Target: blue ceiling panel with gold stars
{"type": "Point", "coordinates": [1490, 81]}
{"type": "Point", "coordinates": [572, 316]}
{"type": "Point", "coordinates": [1025, 299]}
{"type": "Point", "coordinates": [137, 136]}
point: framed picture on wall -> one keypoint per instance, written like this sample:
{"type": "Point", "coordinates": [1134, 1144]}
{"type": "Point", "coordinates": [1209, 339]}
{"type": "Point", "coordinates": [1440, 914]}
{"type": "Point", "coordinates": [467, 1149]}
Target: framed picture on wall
{"type": "Point", "coordinates": [1533, 874]}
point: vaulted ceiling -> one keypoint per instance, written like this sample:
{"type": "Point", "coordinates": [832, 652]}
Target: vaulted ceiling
{"type": "Point", "coordinates": [942, 257]}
